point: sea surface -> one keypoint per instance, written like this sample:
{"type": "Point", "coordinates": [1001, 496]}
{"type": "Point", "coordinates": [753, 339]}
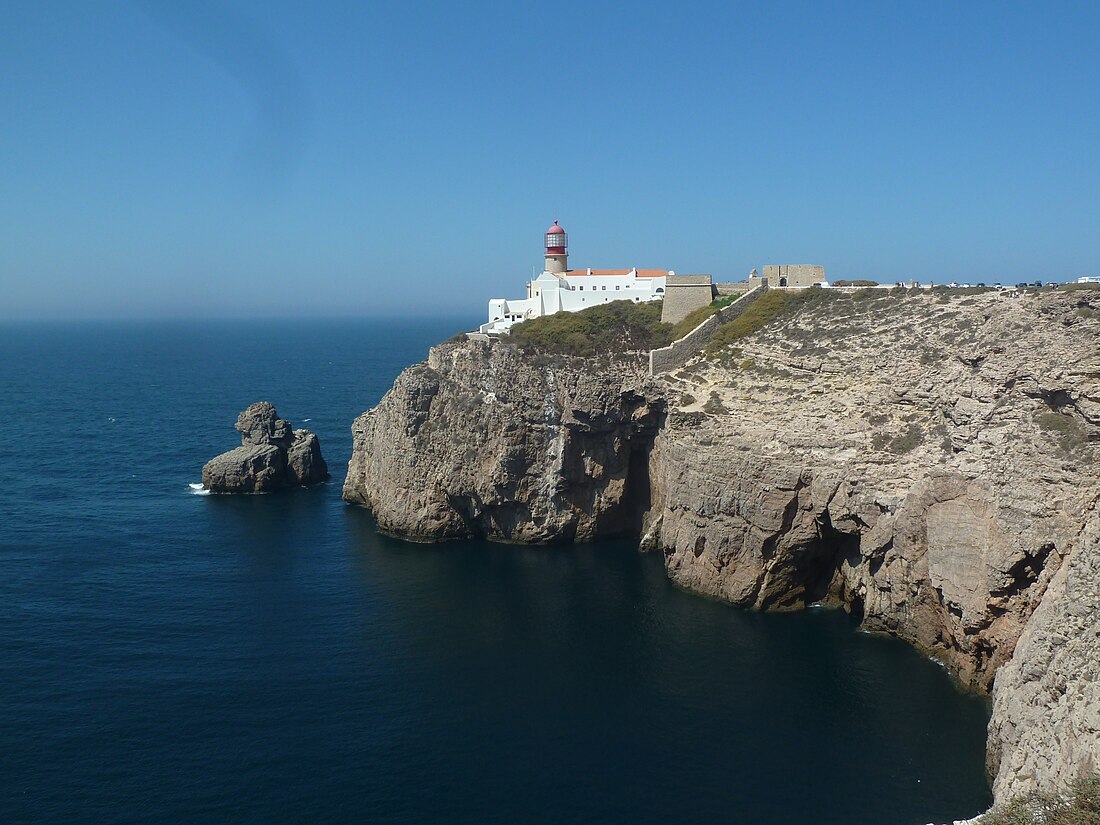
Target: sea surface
{"type": "Point", "coordinates": [179, 658]}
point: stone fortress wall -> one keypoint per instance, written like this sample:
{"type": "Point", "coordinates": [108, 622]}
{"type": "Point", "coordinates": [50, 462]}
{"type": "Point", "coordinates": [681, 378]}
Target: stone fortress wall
{"type": "Point", "coordinates": [681, 351]}
{"type": "Point", "coordinates": [735, 288]}
{"type": "Point", "coordinates": [684, 294]}
{"type": "Point", "coordinates": [794, 274]}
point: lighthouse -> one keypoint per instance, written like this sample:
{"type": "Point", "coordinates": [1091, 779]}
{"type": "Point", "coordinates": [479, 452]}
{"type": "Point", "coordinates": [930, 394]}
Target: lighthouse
{"type": "Point", "coordinates": [561, 289]}
{"type": "Point", "coordinates": [557, 257]}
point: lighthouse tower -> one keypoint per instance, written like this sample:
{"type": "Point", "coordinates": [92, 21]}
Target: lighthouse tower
{"type": "Point", "coordinates": [557, 259]}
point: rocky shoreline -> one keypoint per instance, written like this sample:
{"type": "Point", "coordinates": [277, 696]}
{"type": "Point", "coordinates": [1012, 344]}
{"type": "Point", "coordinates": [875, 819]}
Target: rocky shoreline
{"type": "Point", "coordinates": [929, 464]}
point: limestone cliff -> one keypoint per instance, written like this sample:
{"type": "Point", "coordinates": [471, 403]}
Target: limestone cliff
{"type": "Point", "coordinates": [480, 441]}
{"type": "Point", "coordinates": [929, 463]}
{"type": "Point", "coordinates": [925, 463]}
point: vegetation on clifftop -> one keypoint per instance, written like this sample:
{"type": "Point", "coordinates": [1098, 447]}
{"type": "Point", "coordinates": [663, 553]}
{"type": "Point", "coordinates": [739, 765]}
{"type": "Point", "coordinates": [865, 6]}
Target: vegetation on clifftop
{"type": "Point", "coordinates": [619, 326]}
{"type": "Point", "coordinates": [697, 316]}
{"type": "Point", "coordinates": [1080, 807]}
{"type": "Point", "coordinates": [761, 312]}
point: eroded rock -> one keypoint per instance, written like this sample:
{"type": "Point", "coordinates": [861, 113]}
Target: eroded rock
{"type": "Point", "coordinates": [271, 456]}
{"type": "Point", "coordinates": [478, 442]}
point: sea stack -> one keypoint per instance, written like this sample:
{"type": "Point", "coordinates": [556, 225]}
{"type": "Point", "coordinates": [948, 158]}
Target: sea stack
{"type": "Point", "coordinates": [272, 456]}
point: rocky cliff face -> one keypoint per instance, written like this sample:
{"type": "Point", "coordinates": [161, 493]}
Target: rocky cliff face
{"type": "Point", "coordinates": [929, 463]}
{"type": "Point", "coordinates": [926, 464]}
{"type": "Point", "coordinates": [272, 455]}
{"type": "Point", "coordinates": [1045, 730]}
{"type": "Point", "coordinates": [482, 442]}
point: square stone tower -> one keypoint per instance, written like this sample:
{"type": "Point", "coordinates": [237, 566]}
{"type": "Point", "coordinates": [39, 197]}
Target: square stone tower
{"type": "Point", "coordinates": [685, 294]}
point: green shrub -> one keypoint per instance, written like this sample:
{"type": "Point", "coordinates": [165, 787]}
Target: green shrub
{"type": "Point", "coordinates": [714, 405]}
{"type": "Point", "coordinates": [946, 444]}
{"type": "Point", "coordinates": [857, 282]}
{"type": "Point", "coordinates": [879, 441]}
{"type": "Point", "coordinates": [770, 306]}
{"type": "Point", "coordinates": [1081, 806]}
{"type": "Point", "coordinates": [697, 316]}
{"type": "Point", "coordinates": [870, 294]}
{"type": "Point", "coordinates": [619, 326]}
{"type": "Point", "coordinates": [900, 444]}
{"type": "Point", "coordinates": [909, 440]}
{"type": "Point", "coordinates": [954, 291]}
{"type": "Point", "coordinates": [1069, 434]}
{"type": "Point", "coordinates": [687, 399]}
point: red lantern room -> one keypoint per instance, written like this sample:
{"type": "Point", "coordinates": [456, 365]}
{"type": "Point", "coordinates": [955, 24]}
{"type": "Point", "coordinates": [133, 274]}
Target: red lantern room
{"type": "Point", "coordinates": [556, 258]}
{"type": "Point", "coordinates": [555, 240]}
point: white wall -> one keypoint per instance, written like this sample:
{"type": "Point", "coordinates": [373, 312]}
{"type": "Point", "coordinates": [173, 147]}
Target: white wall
{"type": "Point", "coordinates": [553, 293]}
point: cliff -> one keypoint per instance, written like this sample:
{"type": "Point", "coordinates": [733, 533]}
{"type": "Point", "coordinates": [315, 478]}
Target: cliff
{"type": "Point", "coordinates": [480, 441]}
{"type": "Point", "coordinates": [928, 462]}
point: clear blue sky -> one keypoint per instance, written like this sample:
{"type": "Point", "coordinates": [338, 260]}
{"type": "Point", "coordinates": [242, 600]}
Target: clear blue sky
{"type": "Point", "coordinates": [165, 158]}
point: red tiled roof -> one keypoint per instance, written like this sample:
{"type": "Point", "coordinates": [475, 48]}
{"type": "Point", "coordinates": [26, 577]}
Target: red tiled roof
{"type": "Point", "coordinates": [642, 273]}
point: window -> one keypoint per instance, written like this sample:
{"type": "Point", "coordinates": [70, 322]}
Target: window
{"type": "Point", "coordinates": [616, 286]}
{"type": "Point", "coordinates": [604, 288]}
{"type": "Point", "coordinates": [582, 289]}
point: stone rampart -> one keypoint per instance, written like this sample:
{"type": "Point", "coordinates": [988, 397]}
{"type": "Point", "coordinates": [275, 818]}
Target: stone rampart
{"type": "Point", "coordinates": [794, 274]}
{"type": "Point", "coordinates": [684, 294]}
{"type": "Point", "coordinates": [682, 350]}
{"type": "Point", "coordinates": [735, 288]}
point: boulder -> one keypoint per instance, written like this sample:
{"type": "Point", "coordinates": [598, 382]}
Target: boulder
{"type": "Point", "coordinates": [259, 423]}
{"type": "Point", "coordinates": [305, 465]}
{"type": "Point", "coordinates": [272, 456]}
{"type": "Point", "coordinates": [257, 469]}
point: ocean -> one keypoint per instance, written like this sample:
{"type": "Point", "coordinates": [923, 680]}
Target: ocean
{"type": "Point", "coordinates": [178, 658]}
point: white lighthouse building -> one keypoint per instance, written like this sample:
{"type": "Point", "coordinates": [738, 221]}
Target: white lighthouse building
{"type": "Point", "coordinates": [561, 289]}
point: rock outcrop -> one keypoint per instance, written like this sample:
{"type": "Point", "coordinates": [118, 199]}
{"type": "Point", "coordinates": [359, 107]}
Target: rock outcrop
{"type": "Point", "coordinates": [929, 462]}
{"type": "Point", "coordinates": [480, 441]}
{"type": "Point", "coordinates": [1045, 729]}
{"type": "Point", "coordinates": [272, 456]}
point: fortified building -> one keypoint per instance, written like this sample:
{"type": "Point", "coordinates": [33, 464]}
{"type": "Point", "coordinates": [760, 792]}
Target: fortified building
{"type": "Point", "coordinates": [561, 289]}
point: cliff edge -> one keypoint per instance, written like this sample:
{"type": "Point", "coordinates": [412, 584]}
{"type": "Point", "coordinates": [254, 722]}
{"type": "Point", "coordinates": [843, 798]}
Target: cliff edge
{"type": "Point", "coordinates": [929, 462]}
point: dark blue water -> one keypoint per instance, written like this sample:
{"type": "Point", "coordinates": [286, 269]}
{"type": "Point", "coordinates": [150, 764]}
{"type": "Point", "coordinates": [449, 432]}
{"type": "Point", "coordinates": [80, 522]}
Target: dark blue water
{"type": "Point", "coordinates": [178, 658]}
